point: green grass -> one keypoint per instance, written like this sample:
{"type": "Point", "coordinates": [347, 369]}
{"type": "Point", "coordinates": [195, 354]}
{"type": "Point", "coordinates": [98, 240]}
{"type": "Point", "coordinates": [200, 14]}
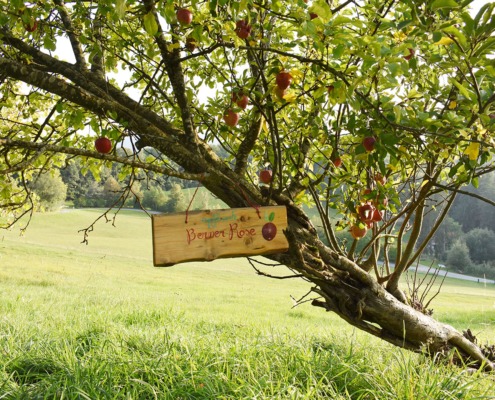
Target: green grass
{"type": "Point", "coordinates": [98, 321]}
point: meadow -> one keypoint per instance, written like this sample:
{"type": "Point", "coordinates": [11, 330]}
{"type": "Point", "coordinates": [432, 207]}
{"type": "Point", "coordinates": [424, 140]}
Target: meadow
{"type": "Point", "coordinates": [98, 321]}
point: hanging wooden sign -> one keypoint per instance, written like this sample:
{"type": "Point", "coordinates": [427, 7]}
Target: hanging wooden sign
{"type": "Point", "coordinates": [210, 234]}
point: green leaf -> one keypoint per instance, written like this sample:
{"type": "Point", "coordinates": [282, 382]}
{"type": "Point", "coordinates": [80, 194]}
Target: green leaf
{"type": "Point", "coordinates": [338, 51]}
{"type": "Point", "coordinates": [462, 89]}
{"type": "Point", "coordinates": [437, 4]}
{"type": "Point", "coordinates": [323, 10]}
{"type": "Point", "coordinates": [120, 8]}
{"type": "Point", "coordinates": [458, 34]}
{"type": "Point", "coordinates": [150, 24]}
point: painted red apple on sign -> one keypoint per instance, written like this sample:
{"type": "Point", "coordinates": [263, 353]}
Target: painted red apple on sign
{"type": "Point", "coordinates": [269, 230]}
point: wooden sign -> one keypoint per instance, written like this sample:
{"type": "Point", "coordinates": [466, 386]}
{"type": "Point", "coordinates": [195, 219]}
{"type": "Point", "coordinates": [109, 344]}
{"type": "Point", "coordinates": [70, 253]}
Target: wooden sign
{"type": "Point", "coordinates": [211, 234]}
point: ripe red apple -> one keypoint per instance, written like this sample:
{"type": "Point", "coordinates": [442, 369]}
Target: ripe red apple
{"type": "Point", "coordinates": [379, 178]}
{"type": "Point", "coordinates": [313, 15]}
{"type": "Point", "coordinates": [31, 26]}
{"type": "Point", "coordinates": [366, 191]}
{"type": "Point", "coordinates": [337, 161]}
{"type": "Point", "coordinates": [184, 16]}
{"type": "Point", "coordinates": [410, 55]}
{"type": "Point", "coordinates": [191, 44]}
{"type": "Point", "coordinates": [357, 232]}
{"type": "Point", "coordinates": [240, 99]}
{"type": "Point", "coordinates": [269, 231]}
{"type": "Point", "coordinates": [280, 93]}
{"type": "Point", "coordinates": [242, 29]}
{"type": "Point", "coordinates": [230, 117]}
{"type": "Point", "coordinates": [330, 88]}
{"type": "Point", "coordinates": [365, 212]}
{"type": "Point", "coordinates": [266, 176]}
{"type": "Point", "coordinates": [103, 145]}
{"type": "Point", "coordinates": [377, 215]}
{"type": "Point", "coordinates": [283, 80]}
{"type": "Point", "coordinates": [369, 143]}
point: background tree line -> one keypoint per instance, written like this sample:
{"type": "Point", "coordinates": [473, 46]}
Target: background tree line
{"type": "Point", "coordinates": [465, 242]}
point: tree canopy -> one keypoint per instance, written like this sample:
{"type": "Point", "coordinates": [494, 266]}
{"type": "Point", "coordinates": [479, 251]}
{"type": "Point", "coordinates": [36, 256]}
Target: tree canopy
{"type": "Point", "coordinates": [370, 112]}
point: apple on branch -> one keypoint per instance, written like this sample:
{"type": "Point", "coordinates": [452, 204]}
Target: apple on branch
{"type": "Point", "coordinates": [266, 176]}
{"type": "Point", "coordinates": [358, 232]}
{"type": "Point", "coordinates": [31, 26]}
{"type": "Point", "coordinates": [103, 145]}
{"type": "Point", "coordinates": [184, 16]}
{"type": "Point", "coordinates": [230, 117]}
{"type": "Point", "coordinates": [191, 44]}
{"type": "Point", "coordinates": [337, 161]}
{"type": "Point", "coordinates": [380, 179]}
{"type": "Point", "coordinates": [369, 143]}
{"type": "Point", "coordinates": [240, 99]}
{"type": "Point", "coordinates": [283, 80]}
{"type": "Point", "coordinates": [242, 29]}
{"type": "Point", "coordinates": [410, 54]}
{"type": "Point", "coordinates": [365, 212]}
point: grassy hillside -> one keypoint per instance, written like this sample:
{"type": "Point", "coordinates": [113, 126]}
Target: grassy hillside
{"type": "Point", "coordinates": [99, 321]}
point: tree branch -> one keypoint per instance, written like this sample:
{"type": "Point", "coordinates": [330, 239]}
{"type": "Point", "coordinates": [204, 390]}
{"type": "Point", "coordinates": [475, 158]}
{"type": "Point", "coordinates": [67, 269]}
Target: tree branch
{"type": "Point", "coordinates": [51, 148]}
{"type": "Point", "coordinates": [74, 41]}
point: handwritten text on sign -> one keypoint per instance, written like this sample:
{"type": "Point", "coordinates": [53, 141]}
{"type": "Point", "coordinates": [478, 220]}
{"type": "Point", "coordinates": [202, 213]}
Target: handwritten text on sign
{"type": "Point", "coordinates": [212, 234]}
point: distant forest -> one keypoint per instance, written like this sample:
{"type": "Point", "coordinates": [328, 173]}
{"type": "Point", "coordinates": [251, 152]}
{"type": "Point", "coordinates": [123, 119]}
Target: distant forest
{"type": "Point", "coordinates": [464, 243]}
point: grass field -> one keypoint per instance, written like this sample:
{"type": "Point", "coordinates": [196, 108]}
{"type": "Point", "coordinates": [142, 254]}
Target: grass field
{"type": "Point", "coordinates": [99, 321]}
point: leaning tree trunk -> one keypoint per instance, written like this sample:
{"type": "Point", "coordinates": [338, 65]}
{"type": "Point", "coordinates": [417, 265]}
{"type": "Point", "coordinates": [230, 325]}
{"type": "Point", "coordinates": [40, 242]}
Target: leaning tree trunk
{"type": "Point", "coordinates": [360, 300]}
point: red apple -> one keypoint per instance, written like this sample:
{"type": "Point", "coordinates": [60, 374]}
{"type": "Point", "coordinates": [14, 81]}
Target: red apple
{"type": "Point", "coordinates": [337, 161]}
{"type": "Point", "coordinates": [283, 80]}
{"type": "Point", "coordinates": [242, 29]}
{"type": "Point", "coordinates": [240, 99]}
{"type": "Point", "coordinates": [365, 212]}
{"type": "Point", "coordinates": [31, 26]}
{"type": "Point", "coordinates": [313, 15]}
{"type": "Point", "coordinates": [184, 16]}
{"type": "Point", "coordinates": [330, 88]}
{"type": "Point", "coordinates": [369, 143]}
{"type": "Point", "coordinates": [410, 55]}
{"type": "Point", "coordinates": [377, 215]}
{"type": "Point", "coordinates": [103, 145]}
{"type": "Point", "coordinates": [269, 231]}
{"type": "Point", "coordinates": [266, 176]}
{"type": "Point", "coordinates": [280, 93]}
{"type": "Point", "coordinates": [366, 191]}
{"type": "Point", "coordinates": [191, 44]}
{"type": "Point", "coordinates": [230, 117]}
{"type": "Point", "coordinates": [379, 178]}
{"type": "Point", "coordinates": [357, 232]}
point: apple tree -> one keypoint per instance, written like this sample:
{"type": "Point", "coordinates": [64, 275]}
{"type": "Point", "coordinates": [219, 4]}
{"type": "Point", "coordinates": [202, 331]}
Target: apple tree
{"type": "Point", "coordinates": [368, 112]}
